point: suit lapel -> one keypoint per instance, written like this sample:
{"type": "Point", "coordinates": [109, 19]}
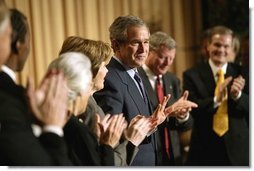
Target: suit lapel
{"type": "Point", "coordinates": [149, 90]}
{"type": "Point", "coordinates": [207, 78]}
{"type": "Point", "coordinates": [131, 88]}
{"type": "Point", "coordinates": [231, 71]}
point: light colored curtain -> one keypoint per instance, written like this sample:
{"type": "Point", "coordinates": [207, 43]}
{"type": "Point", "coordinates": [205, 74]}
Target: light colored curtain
{"type": "Point", "coordinates": [51, 21]}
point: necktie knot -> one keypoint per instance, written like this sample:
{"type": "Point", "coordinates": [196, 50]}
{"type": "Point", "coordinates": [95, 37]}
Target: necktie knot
{"type": "Point", "coordinates": [220, 75]}
{"type": "Point", "coordinates": [220, 80]}
{"type": "Point", "coordinates": [137, 77]}
{"type": "Point", "coordinates": [158, 80]}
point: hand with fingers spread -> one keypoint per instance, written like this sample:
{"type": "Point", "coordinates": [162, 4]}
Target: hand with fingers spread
{"type": "Point", "coordinates": [159, 114]}
{"type": "Point", "coordinates": [113, 133]}
{"type": "Point", "coordinates": [181, 107]}
{"type": "Point", "coordinates": [49, 102]}
{"type": "Point", "coordinates": [237, 86]}
{"type": "Point", "coordinates": [139, 128]}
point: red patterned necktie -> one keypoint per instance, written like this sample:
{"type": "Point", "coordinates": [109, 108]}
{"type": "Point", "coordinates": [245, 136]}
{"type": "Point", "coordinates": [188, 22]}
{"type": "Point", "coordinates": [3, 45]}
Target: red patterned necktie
{"type": "Point", "coordinates": [160, 95]}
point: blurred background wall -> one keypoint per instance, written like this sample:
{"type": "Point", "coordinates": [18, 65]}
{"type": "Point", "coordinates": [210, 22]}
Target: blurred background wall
{"type": "Point", "coordinates": [51, 21]}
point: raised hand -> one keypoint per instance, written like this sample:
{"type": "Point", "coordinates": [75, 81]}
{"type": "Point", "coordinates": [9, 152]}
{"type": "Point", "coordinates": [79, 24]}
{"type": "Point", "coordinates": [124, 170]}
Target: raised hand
{"type": "Point", "coordinates": [113, 133]}
{"type": "Point", "coordinates": [101, 125]}
{"type": "Point", "coordinates": [223, 89]}
{"type": "Point", "coordinates": [159, 113]}
{"type": "Point", "coordinates": [180, 107]}
{"type": "Point", "coordinates": [139, 127]}
{"type": "Point", "coordinates": [104, 122]}
{"type": "Point", "coordinates": [237, 86]}
{"type": "Point", "coordinates": [48, 103]}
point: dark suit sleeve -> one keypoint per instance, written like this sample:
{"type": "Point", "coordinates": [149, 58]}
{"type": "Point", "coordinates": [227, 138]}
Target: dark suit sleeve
{"type": "Point", "coordinates": [18, 145]}
{"type": "Point", "coordinates": [243, 102]}
{"type": "Point", "coordinates": [177, 93]}
{"type": "Point", "coordinates": [197, 94]}
{"type": "Point", "coordinates": [107, 154]}
{"type": "Point", "coordinates": [83, 145]}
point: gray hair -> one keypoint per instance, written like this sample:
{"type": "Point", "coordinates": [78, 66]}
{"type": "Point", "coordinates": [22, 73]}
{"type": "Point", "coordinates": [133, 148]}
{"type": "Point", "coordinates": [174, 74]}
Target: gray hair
{"type": "Point", "coordinates": [77, 70]}
{"type": "Point", "coordinates": [160, 38]}
{"type": "Point", "coordinates": [118, 29]}
{"type": "Point", "coordinates": [221, 30]}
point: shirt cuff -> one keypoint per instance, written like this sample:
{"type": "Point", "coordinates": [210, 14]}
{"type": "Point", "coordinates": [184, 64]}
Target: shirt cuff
{"type": "Point", "coordinates": [238, 97]}
{"type": "Point", "coordinates": [54, 129]}
{"type": "Point", "coordinates": [182, 120]}
{"type": "Point", "coordinates": [215, 103]}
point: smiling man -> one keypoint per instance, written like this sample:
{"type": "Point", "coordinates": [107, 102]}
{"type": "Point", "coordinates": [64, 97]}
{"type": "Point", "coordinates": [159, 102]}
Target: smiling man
{"type": "Point", "coordinates": [129, 37]}
{"type": "Point", "coordinates": [221, 102]}
{"type": "Point", "coordinates": [124, 91]}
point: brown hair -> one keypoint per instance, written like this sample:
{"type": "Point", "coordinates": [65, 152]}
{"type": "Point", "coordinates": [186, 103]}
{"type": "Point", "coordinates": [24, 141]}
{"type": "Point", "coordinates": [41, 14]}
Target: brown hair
{"type": "Point", "coordinates": [222, 30]}
{"type": "Point", "coordinates": [96, 51]}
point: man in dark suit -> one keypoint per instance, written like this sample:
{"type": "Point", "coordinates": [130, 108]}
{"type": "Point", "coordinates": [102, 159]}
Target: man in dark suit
{"type": "Point", "coordinates": [123, 90]}
{"type": "Point", "coordinates": [210, 147]}
{"type": "Point", "coordinates": [19, 144]}
{"type": "Point", "coordinates": [20, 46]}
{"type": "Point", "coordinates": [161, 55]}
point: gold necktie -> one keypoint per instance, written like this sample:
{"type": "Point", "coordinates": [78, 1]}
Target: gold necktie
{"type": "Point", "coordinates": [220, 118]}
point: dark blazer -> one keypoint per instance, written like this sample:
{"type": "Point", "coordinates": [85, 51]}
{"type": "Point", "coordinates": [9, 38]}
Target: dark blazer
{"type": "Point", "coordinates": [120, 95]}
{"type": "Point", "coordinates": [171, 86]}
{"type": "Point", "coordinates": [206, 147]}
{"type": "Point", "coordinates": [19, 146]}
{"type": "Point", "coordinates": [9, 86]}
{"type": "Point", "coordinates": [83, 146]}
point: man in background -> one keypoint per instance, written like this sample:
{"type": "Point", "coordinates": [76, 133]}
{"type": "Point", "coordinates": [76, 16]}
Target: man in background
{"type": "Point", "coordinates": [155, 75]}
{"type": "Point", "coordinates": [220, 135]}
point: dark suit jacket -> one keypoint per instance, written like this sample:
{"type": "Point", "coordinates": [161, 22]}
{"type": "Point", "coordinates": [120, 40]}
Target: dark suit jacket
{"type": "Point", "coordinates": [84, 149]}
{"type": "Point", "coordinates": [9, 86]}
{"type": "Point", "coordinates": [171, 86]}
{"type": "Point", "coordinates": [206, 147]}
{"type": "Point", "coordinates": [19, 146]}
{"type": "Point", "coordinates": [120, 95]}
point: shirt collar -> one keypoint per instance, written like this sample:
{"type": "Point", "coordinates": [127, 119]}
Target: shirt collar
{"type": "Point", "coordinates": [150, 73]}
{"type": "Point", "coordinates": [9, 72]}
{"type": "Point", "coordinates": [215, 69]}
{"type": "Point", "coordinates": [130, 71]}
